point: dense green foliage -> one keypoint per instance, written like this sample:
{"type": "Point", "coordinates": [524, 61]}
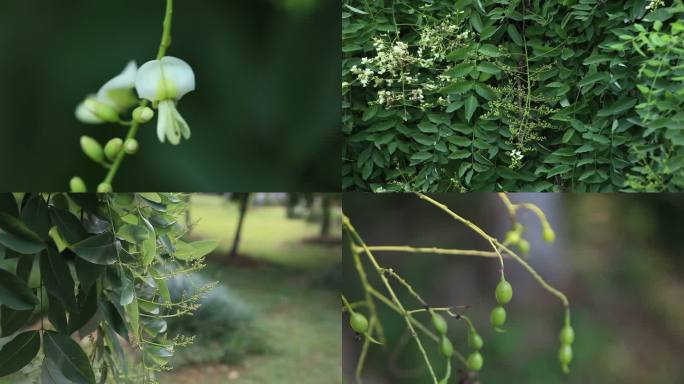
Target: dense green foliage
{"type": "Point", "coordinates": [95, 266]}
{"type": "Point", "coordinates": [581, 95]}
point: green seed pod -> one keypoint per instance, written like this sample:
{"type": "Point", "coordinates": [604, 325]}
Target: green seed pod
{"type": "Point", "coordinates": [102, 111]}
{"type": "Point", "coordinates": [113, 147]}
{"type": "Point", "coordinates": [512, 237]}
{"type": "Point", "coordinates": [565, 354]}
{"type": "Point", "coordinates": [131, 146]}
{"type": "Point", "coordinates": [92, 149]}
{"type": "Point", "coordinates": [474, 340]}
{"type": "Point", "coordinates": [439, 323]}
{"type": "Point", "coordinates": [524, 246]}
{"type": "Point", "coordinates": [498, 316]}
{"type": "Point", "coordinates": [76, 184]}
{"type": "Point", "coordinates": [358, 322]}
{"type": "Point", "coordinates": [143, 114]}
{"type": "Point", "coordinates": [474, 362]}
{"type": "Point", "coordinates": [548, 234]}
{"type": "Point", "coordinates": [503, 292]}
{"type": "Point", "coordinates": [567, 335]}
{"type": "Point", "coordinates": [446, 347]}
{"type": "Point", "coordinates": [104, 188]}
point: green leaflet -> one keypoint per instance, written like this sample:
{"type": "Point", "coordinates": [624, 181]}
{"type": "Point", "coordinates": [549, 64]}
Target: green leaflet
{"type": "Point", "coordinates": [19, 352]}
{"type": "Point", "coordinates": [67, 358]}
{"type": "Point", "coordinates": [471, 104]}
{"type": "Point", "coordinates": [195, 249]}
{"type": "Point", "coordinates": [14, 293]}
{"type": "Point", "coordinates": [134, 319]}
{"type": "Point", "coordinates": [15, 235]}
{"type": "Point", "coordinates": [98, 249]}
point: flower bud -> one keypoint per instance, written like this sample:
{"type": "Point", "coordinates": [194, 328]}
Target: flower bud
{"type": "Point", "coordinates": [92, 149]}
{"type": "Point", "coordinates": [131, 146]}
{"type": "Point", "coordinates": [104, 188]}
{"type": "Point", "coordinates": [143, 114]}
{"type": "Point", "coordinates": [101, 110]}
{"type": "Point", "coordinates": [113, 147]}
{"type": "Point", "coordinates": [76, 184]}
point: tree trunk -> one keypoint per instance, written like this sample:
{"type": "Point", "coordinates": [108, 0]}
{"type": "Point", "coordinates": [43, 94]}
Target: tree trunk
{"type": "Point", "coordinates": [244, 200]}
{"type": "Point", "coordinates": [325, 220]}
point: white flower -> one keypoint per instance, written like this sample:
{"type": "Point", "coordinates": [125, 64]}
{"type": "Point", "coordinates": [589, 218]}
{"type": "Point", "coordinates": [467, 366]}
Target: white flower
{"type": "Point", "coordinates": [164, 82]}
{"type": "Point", "coordinates": [114, 97]}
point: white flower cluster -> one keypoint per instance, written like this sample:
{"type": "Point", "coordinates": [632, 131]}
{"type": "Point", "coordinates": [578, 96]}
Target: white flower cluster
{"type": "Point", "coordinates": [653, 4]}
{"type": "Point", "coordinates": [411, 76]}
{"type": "Point", "coordinates": [516, 158]}
{"type": "Point", "coordinates": [437, 41]}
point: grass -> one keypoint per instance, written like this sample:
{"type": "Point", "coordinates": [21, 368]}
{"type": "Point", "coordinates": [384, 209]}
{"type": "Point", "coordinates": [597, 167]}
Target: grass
{"type": "Point", "coordinates": [296, 315]}
{"type": "Point", "coordinates": [267, 234]}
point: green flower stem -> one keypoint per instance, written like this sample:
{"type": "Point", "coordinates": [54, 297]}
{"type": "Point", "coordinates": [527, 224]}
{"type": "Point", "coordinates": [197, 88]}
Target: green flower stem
{"type": "Point", "coordinates": [356, 238]}
{"type": "Point", "coordinates": [372, 322]}
{"type": "Point", "coordinates": [419, 326]}
{"type": "Point", "coordinates": [133, 129]}
{"type": "Point", "coordinates": [441, 251]}
{"type": "Point", "coordinates": [498, 246]}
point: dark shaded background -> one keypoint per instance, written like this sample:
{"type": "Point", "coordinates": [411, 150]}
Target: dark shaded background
{"type": "Point", "coordinates": [265, 114]}
{"type": "Point", "coordinates": [618, 258]}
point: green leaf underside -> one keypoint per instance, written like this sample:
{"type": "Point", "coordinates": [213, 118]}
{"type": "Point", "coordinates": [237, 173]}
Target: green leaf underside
{"type": "Point", "coordinates": [14, 293]}
{"type": "Point", "coordinates": [194, 250]}
{"type": "Point", "coordinates": [19, 352]}
{"type": "Point", "coordinates": [15, 235]}
{"type": "Point", "coordinates": [68, 357]}
{"type": "Point", "coordinates": [98, 249]}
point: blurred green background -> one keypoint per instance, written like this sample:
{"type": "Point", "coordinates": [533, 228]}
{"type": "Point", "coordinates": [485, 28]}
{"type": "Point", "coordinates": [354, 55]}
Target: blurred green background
{"type": "Point", "coordinates": [617, 257]}
{"type": "Point", "coordinates": [265, 114]}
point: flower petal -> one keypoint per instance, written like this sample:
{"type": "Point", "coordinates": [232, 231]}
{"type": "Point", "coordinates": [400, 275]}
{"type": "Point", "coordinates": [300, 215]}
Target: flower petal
{"type": "Point", "coordinates": [168, 78]}
{"type": "Point", "coordinates": [180, 121]}
{"type": "Point", "coordinates": [85, 115]}
{"type": "Point", "coordinates": [125, 80]}
{"type": "Point", "coordinates": [179, 73]}
{"type": "Point", "coordinates": [164, 118]}
{"type": "Point", "coordinates": [147, 80]}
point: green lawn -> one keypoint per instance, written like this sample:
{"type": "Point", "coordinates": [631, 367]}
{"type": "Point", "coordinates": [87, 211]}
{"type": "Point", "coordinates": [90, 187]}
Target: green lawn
{"type": "Point", "coordinates": [300, 323]}
{"type": "Point", "coordinates": [267, 234]}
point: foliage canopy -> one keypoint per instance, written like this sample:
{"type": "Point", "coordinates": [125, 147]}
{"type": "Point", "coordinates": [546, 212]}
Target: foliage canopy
{"type": "Point", "coordinates": [481, 95]}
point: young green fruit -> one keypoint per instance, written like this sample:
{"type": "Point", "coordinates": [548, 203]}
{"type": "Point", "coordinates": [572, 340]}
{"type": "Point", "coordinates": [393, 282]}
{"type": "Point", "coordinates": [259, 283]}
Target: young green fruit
{"type": "Point", "coordinates": [104, 188]}
{"type": "Point", "coordinates": [498, 316]}
{"type": "Point", "coordinates": [131, 146]}
{"type": "Point", "coordinates": [113, 147]}
{"type": "Point", "coordinates": [474, 340]}
{"type": "Point", "coordinates": [565, 354]}
{"type": "Point", "coordinates": [567, 335]}
{"type": "Point", "coordinates": [446, 347]}
{"type": "Point", "coordinates": [503, 292]}
{"type": "Point", "coordinates": [439, 323]}
{"type": "Point", "coordinates": [474, 362]}
{"type": "Point", "coordinates": [524, 246]}
{"type": "Point", "coordinates": [548, 234]}
{"type": "Point", "coordinates": [76, 184]}
{"type": "Point", "coordinates": [512, 237]}
{"type": "Point", "coordinates": [358, 322]}
{"type": "Point", "coordinates": [92, 149]}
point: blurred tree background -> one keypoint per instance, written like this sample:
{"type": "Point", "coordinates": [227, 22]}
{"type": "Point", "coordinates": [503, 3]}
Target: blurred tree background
{"type": "Point", "coordinates": [264, 116]}
{"type": "Point", "coordinates": [617, 257]}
